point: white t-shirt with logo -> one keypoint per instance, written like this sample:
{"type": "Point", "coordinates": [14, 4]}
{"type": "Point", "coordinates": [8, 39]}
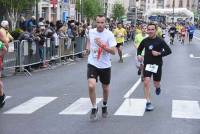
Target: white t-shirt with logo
{"type": "Point", "coordinates": [106, 37]}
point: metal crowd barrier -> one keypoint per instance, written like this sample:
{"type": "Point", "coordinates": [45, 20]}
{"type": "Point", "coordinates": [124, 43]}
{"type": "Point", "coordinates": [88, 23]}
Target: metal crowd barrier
{"type": "Point", "coordinates": [80, 45]}
{"type": "Point", "coordinates": [11, 59]}
{"type": "Point", "coordinates": [66, 47]}
{"type": "Point", "coordinates": [24, 54]}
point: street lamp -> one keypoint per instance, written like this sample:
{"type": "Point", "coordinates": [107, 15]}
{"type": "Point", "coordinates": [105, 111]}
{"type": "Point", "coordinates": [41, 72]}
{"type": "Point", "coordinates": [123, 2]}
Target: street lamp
{"type": "Point", "coordinates": [36, 10]}
{"type": "Point", "coordinates": [81, 3]}
{"type": "Point", "coordinates": [106, 7]}
{"type": "Point", "coordinates": [173, 10]}
{"type": "Point", "coordinates": [136, 16]}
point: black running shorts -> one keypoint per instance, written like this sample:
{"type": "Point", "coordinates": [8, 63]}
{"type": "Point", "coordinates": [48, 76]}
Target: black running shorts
{"type": "Point", "coordinates": [119, 44]}
{"type": "Point", "coordinates": [103, 74]}
{"type": "Point", "coordinates": [156, 76]}
{"type": "Point", "coordinates": [190, 36]}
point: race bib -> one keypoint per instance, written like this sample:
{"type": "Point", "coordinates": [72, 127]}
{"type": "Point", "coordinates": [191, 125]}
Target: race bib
{"type": "Point", "coordinates": [119, 35]}
{"type": "Point", "coordinates": [151, 68]}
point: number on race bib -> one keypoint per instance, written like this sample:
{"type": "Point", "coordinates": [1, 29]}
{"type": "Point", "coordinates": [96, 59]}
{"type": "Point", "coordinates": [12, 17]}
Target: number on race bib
{"type": "Point", "coordinates": [151, 68]}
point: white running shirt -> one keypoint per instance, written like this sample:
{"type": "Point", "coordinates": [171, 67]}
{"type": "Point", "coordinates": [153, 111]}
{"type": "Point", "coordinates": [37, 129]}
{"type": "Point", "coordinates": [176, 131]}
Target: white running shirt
{"type": "Point", "coordinates": [107, 37]}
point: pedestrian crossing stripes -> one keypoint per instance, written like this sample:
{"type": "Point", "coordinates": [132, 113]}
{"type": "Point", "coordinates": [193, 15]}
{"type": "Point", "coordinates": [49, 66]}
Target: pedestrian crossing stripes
{"type": "Point", "coordinates": [185, 109]}
{"type": "Point", "coordinates": [130, 107]}
{"type": "Point", "coordinates": [81, 106]}
{"type": "Point", "coordinates": [31, 106]}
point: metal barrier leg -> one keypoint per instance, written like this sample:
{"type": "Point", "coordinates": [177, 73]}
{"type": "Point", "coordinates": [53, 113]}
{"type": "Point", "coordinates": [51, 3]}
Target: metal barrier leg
{"type": "Point", "coordinates": [27, 72]}
{"type": "Point", "coordinates": [73, 55]}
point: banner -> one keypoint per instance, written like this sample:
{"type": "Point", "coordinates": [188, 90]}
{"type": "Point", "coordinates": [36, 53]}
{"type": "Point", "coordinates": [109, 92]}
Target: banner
{"type": "Point", "coordinates": [72, 11]}
{"type": "Point", "coordinates": [54, 3]}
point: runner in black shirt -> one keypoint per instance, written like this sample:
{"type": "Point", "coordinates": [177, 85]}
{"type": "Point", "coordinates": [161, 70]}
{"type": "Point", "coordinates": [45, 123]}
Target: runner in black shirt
{"type": "Point", "coordinates": [172, 33]}
{"type": "Point", "coordinates": [155, 49]}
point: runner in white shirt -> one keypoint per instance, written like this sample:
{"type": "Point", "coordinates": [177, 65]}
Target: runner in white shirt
{"type": "Point", "coordinates": [100, 44]}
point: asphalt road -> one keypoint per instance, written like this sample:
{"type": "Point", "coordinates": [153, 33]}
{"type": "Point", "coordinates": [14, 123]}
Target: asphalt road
{"type": "Point", "coordinates": [37, 104]}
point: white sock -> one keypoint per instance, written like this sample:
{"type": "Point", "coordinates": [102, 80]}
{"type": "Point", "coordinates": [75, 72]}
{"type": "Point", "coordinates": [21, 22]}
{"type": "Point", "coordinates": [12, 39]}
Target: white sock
{"type": "Point", "coordinates": [94, 106]}
{"type": "Point", "coordinates": [148, 101]}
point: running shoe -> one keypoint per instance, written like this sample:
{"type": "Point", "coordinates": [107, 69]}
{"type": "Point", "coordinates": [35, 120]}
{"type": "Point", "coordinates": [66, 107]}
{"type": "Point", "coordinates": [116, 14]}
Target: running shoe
{"type": "Point", "coordinates": [139, 72]}
{"type": "Point", "coordinates": [149, 106]}
{"type": "Point", "coordinates": [104, 112]}
{"type": "Point", "coordinates": [158, 90]}
{"type": "Point", "coordinates": [93, 114]}
{"type": "Point", "coordinates": [2, 100]}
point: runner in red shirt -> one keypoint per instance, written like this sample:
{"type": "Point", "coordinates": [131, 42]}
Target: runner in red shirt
{"type": "Point", "coordinates": [183, 34]}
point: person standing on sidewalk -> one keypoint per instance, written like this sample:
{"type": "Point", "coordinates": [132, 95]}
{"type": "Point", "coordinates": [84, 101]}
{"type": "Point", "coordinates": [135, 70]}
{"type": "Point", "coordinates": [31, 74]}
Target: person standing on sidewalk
{"type": "Point", "coordinates": [5, 38]}
{"type": "Point", "coordinates": [120, 34]}
{"type": "Point", "coordinates": [100, 44]}
{"type": "Point", "coordinates": [155, 49]}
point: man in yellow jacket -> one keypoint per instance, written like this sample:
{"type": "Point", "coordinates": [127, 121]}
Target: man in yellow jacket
{"type": "Point", "coordinates": [120, 34]}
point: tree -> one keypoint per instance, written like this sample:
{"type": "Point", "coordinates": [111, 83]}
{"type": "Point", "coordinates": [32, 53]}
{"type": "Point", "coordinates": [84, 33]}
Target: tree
{"type": "Point", "coordinates": [14, 7]}
{"type": "Point", "coordinates": [78, 6]}
{"type": "Point", "coordinates": [118, 11]}
{"type": "Point", "coordinates": [92, 8]}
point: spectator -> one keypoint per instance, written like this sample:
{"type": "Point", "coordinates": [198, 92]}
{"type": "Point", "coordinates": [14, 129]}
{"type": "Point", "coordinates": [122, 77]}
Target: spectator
{"type": "Point", "coordinates": [30, 24]}
{"type": "Point", "coordinates": [41, 23]}
{"type": "Point", "coordinates": [22, 23]}
{"type": "Point", "coordinates": [40, 40]}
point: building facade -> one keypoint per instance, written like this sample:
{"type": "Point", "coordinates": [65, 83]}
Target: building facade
{"type": "Point", "coordinates": [54, 10]}
{"type": "Point", "coordinates": [160, 3]}
{"type": "Point", "coordinates": [189, 4]}
{"type": "Point", "coordinates": [151, 4]}
{"type": "Point", "coordinates": [145, 5]}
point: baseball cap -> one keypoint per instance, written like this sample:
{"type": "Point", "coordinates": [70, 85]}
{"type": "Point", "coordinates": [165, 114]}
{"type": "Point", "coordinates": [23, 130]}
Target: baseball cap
{"type": "Point", "coordinates": [4, 23]}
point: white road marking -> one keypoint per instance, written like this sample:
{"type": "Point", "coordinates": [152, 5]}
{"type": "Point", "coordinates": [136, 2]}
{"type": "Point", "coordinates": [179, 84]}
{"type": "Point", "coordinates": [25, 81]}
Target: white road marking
{"type": "Point", "coordinates": [8, 97]}
{"type": "Point", "coordinates": [80, 107]}
{"type": "Point", "coordinates": [31, 105]}
{"type": "Point", "coordinates": [128, 94]}
{"type": "Point", "coordinates": [132, 107]}
{"type": "Point", "coordinates": [192, 56]}
{"type": "Point", "coordinates": [185, 109]}
{"type": "Point", "coordinates": [126, 55]}
{"type": "Point", "coordinates": [71, 64]}
{"type": "Point", "coordinates": [196, 38]}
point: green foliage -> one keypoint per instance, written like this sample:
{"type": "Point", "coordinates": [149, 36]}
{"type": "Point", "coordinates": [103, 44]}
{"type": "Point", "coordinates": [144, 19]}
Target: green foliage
{"type": "Point", "coordinates": [92, 8]}
{"type": "Point", "coordinates": [118, 11]}
{"type": "Point", "coordinates": [16, 33]}
{"type": "Point", "coordinates": [16, 5]}
{"type": "Point", "coordinates": [14, 8]}
{"type": "Point", "coordinates": [78, 5]}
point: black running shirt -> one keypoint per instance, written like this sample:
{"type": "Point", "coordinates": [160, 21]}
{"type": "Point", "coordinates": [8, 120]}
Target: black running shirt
{"type": "Point", "coordinates": [156, 44]}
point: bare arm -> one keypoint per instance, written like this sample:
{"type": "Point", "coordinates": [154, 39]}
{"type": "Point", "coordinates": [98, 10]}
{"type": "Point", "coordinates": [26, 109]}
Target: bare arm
{"type": "Point", "coordinates": [87, 46]}
{"type": "Point", "coordinates": [105, 47]}
{"type": "Point", "coordinates": [110, 50]}
{"type": "Point", "coordinates": [4, 39]}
